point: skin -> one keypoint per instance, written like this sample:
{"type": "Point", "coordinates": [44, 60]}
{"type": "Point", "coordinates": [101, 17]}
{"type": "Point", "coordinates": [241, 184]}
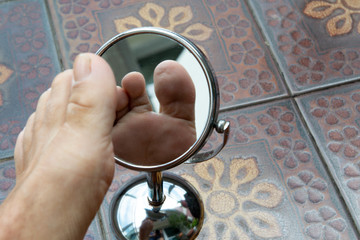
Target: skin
{"type": "Point", "coordinates": [138, 127]}
{"type": "Point", "coordinates": [64, 156]}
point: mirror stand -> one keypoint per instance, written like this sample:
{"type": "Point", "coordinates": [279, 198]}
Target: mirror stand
{"type": "Point", "coordinates": [156, 204]}
{"type": "Point", "coordinates": [156, 196]}
{"type": "Point", "coordinates": [159, 205]}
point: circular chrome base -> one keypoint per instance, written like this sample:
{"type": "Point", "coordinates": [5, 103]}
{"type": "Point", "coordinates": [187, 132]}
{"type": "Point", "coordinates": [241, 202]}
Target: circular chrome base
{"type": "Point", "coordinates": [180, 217]}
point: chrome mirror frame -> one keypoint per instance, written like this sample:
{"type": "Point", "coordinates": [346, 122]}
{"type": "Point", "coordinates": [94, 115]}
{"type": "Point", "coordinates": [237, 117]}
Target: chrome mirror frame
{"type": "Point", "coordinates": [211, 124]}
{"type": "Point", "coordinates": [156, 196]}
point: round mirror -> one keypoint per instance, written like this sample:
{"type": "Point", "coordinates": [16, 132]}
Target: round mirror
{"type": "Point", "coordinates": [170, 109]}
{"type": "Point", "coordinates": [142, 50]}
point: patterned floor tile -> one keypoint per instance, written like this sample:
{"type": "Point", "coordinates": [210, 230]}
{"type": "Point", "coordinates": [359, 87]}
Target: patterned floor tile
{"type": "Point", "coordinates": [225, 31]}
{"type": "Point", "coordinates": [7, 178]}
{"type": "Point", "coordinates": [316, 43]}
{"type": "Point", "coordinates": [333, 117]}
{"type": "Point", "coordinates": [28, 62]}
{"type": "Point", "coordinates": [269, 182]}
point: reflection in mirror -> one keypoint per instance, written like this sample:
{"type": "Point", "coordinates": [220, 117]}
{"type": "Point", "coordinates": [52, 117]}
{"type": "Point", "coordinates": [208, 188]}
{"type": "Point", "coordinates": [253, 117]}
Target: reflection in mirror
{"type": "Point", "coordinates": [179, 99]}
{"type": "Point", "coordinates": [181, 208]}
{"type": "Point", "coordinates": [184, 96]}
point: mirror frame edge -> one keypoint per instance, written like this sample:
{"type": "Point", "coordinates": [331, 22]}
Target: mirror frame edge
{"type": "Point", "coordinates": [212, 87]}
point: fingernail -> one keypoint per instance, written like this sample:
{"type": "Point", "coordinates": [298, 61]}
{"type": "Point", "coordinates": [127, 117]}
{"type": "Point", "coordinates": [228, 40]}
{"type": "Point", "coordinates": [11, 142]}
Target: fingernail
{"type": "Point", "coordinates": [82, 66]}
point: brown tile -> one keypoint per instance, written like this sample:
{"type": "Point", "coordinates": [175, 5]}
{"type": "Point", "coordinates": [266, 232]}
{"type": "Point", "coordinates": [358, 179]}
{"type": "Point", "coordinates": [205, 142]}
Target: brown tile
{"type": "Point", "coordinates": [224, 30]}
{"type": "Point", "coordinates": [316, 43]}
{"type": "Point", "coordinates": [7, 178]}
{"type": "Point", "coordinates": [269, 182]}
{"type": "Point", "coordinates": [272, 178]}
{"type": "Point", "coordinates": [28, 63]}
{"type": "Point", "coordinates": [333, 117]}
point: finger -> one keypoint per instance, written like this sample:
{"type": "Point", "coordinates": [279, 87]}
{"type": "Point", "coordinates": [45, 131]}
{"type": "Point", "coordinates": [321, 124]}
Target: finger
{"type": "Point", "coordinates": [57, 103]}
{"type": "Point", "coordinates": [175, 90]}
{"type": "Point", "coordinates": [134, 85]}
{"type": "Point", "coordinates": [25, 141]}
{"type": "Point", "coordinates": [122, 103]}
{"type": "Point", "coordinates": [40, 112]}
{"type": "Point", "coordinates": [19, 154]}
{"type": "Point", "coordinates": [92, 103]}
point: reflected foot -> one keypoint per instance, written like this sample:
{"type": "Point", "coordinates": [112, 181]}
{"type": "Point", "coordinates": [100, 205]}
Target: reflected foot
{"type": "Point", "coordinates": [144, 137]}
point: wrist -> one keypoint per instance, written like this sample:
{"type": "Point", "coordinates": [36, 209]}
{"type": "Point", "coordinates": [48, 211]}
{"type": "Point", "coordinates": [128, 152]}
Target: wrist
{"type": "Point", "coordinates": [34, 210]}
{"type": "Point", "coordinates": [12, 216]}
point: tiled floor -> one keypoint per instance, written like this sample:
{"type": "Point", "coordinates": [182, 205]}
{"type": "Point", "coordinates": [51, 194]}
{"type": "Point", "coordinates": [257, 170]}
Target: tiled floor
{"type": "Point", "coordinates": [287, 72]}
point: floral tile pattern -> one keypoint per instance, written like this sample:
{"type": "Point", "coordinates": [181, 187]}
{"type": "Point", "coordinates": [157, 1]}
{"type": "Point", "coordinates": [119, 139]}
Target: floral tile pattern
{"type": "Point", "coordinates": [316, 43]}
{"type": "Point", "coordinates": [291, 167]}
{"type": "Point", "coordinates": [269, 182]}
{"type": "Point", "coordinates": [28, 63]}
{"type": "Point", "coordinates": [334, 120]}
{"type": "Point", "coordinates": [224, 30]}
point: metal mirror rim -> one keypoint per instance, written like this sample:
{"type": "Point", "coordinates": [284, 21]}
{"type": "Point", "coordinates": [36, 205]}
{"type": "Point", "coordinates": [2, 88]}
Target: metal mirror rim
{"type": "Point", "coordinates": [212, 85]}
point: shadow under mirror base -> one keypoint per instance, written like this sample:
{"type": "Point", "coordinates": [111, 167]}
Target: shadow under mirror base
{"type": "Point", "coordinates": [180, 217]}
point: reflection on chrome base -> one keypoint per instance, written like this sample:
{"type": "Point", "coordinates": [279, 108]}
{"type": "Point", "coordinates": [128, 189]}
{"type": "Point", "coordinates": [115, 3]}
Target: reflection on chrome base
{"type": "Point", "coordinates": [180, 216]}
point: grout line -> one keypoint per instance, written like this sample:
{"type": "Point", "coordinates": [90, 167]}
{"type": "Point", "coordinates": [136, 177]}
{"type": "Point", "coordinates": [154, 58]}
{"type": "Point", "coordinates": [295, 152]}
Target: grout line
{"type": "Point", "coordinates": [265, 101]}
{"type": "Point", "coordinates": [101, 223]}
{"type": "Point", "coordinates": [54, 35]}
{"type": "Point", "coordinates": [327, 87]}
{"type": "Point", "coordinates": [7, 1]}
{"type": "Point", "coordinates": [6, 159]}
{"type": "Point", "coordinates": [261, 33]}
{"type": "Point", "coordinates": [252, 104]}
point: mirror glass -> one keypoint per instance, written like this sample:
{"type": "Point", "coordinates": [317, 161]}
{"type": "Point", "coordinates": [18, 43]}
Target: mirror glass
{"type": "Point", "coordinates": [142, 52]}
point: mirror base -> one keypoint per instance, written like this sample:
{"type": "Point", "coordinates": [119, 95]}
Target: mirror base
{"type": "Point", "coordinates": [180, 217]}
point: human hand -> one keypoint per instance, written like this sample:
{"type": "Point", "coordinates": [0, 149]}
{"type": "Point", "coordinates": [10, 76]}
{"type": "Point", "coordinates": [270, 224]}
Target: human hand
{"type": "Point", "coordinates": [64, 156]}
